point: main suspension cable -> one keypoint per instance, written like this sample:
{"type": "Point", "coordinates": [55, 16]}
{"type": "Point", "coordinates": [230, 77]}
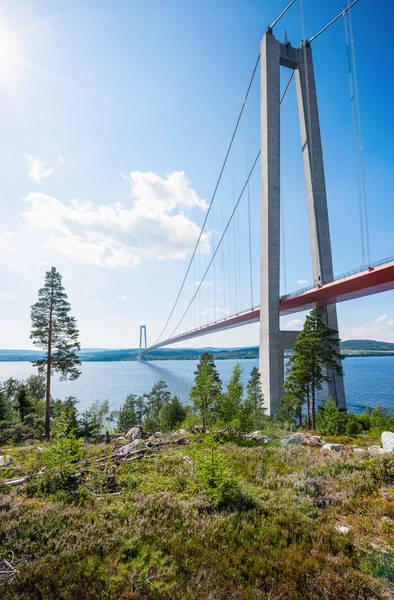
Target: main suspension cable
{"type": "Point", "coordinates": [227, 226]}
{"type": "Point", "coordinates": [362, 167]}
{"type": "Point", "coordinates": [214, 194]}
{"type": "Point", "coordinates": [355, 137]}
{"type": "Point", "coordinates": [220, 241]}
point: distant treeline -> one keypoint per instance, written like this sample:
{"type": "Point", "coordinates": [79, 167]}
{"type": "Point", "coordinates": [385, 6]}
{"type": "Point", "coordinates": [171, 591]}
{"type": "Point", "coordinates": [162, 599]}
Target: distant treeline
{"type": "Point", "coordinates": [348, 348]}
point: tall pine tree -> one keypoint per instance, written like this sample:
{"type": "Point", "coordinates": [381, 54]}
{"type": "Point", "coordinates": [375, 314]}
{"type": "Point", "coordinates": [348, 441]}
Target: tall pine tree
{"type": "Point", "coordinates": [54, 331]}
{"type": "Point", "coordinates": [314, 352]}
{"type": "Point", "coordinates": [254, 395]}
{"type": "Point", "coordinates": [207, 387]}
{"type": "Point", "coordinates": [229, 404]}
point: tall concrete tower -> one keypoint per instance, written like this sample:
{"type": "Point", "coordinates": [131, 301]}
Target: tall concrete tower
{"type": "Point", "coordinates": [273, 341]}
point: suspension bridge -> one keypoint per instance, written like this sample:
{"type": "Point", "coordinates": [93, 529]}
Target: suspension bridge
{"type": "Point", "coordinates": [223, 269]}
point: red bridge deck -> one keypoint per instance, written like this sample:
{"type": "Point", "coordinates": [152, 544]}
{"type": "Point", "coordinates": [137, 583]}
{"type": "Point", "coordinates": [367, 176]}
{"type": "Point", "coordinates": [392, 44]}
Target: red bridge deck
{"type": "Point", "coordinates": [365, 283]}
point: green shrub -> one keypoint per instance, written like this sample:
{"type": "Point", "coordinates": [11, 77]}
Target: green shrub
{"type": "Point", "coordinates": [214, 476]}
{"type": "Point", "coordinates": [381, 419]}
{"type": "Point", "coordinates": [353, 426]}
{"type": "Point", "coordinates": [330, 420]}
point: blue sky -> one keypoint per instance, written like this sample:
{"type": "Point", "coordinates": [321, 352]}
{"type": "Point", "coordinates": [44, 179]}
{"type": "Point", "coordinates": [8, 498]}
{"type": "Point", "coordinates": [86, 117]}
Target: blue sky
{"type": "Point", "coordinates": [115, 118]}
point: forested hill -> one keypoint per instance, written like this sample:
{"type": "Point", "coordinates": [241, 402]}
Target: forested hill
{"type": "Point", "coordinates": [349, 348]}
{"type": "Point", "coordinates": [367, 345]}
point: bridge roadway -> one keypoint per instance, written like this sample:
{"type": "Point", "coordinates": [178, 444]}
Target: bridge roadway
{"type": "Point", "coordinates": [364, 282]}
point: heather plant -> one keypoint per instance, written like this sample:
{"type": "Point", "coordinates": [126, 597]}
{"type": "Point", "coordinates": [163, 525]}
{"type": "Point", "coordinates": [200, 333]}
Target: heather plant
{"type": "Point", "coordinates": [379, 563]}
{"type": "Point", "coordinates": [159, 538]}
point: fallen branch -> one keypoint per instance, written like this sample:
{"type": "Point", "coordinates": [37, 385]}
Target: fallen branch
{"type": "Point", "coordinates": [18, 481]}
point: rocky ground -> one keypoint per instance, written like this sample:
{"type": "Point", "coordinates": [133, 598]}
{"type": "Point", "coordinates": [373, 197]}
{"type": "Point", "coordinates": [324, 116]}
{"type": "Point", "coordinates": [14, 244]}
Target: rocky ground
{"type": "Point", "coordinates": [313, 518]}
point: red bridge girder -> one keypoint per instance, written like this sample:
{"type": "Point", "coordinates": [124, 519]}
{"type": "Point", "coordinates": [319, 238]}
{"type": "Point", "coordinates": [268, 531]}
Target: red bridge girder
{"type": "Point", "coordinates": [372, 281]}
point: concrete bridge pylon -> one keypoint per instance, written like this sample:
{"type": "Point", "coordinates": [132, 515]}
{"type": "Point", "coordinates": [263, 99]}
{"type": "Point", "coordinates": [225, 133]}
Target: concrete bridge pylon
{"type": "Point", "coordinates": [273, 341]}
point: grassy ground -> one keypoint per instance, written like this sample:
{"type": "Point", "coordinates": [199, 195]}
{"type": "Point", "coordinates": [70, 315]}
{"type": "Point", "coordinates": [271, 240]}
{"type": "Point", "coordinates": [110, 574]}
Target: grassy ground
{"type": "Point", "coordinates": [151, 532]}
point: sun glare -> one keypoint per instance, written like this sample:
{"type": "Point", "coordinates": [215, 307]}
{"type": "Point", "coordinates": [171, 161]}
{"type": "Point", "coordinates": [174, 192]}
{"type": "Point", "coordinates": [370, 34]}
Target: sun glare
{"type": "Point", "coordinates": [9, 48]}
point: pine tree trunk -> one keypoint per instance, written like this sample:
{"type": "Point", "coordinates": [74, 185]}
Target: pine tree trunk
{"type": "Point", "coordinates": [49, 365]}
{"type": "Point", "coordinates": [313, 403]}
{"type": "Point", "coordinates": [308, 409]}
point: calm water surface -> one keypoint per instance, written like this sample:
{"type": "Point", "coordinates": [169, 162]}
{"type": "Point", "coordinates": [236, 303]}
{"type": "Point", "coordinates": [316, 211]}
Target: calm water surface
{"type": "Point", "coordinates": [368, 380]}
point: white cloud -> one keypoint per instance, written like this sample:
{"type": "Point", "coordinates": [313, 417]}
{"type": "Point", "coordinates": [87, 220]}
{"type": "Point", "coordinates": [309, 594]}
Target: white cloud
{"type": "Point", "coordinates": [293, 323]}
{"type": "Point", "coordinates": [61, 159]}
{"type": "Point", "coordinates": [207, 311]}
{"type": "Point", "coordinates": [381, 318]}
{"type": "Point", "coordinates": [7, 233]}
{"type": "Point", "coordinates": [38, 168]}
{"type": "Point", "coordinates": [390, 322]}
{"type": "Point", "coordinates": [8, 296]}
{"type": "Point", "coordinates": [154, 227]}
{"type": "Point", "coordinates": [302, 281]}
{"type": "Point", "coordinates": [121, 297]}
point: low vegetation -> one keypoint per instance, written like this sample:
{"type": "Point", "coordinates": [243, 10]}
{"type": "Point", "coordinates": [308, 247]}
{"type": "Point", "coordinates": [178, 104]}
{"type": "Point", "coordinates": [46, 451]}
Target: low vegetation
{"type": "Point", "coordinates": [220, 517]}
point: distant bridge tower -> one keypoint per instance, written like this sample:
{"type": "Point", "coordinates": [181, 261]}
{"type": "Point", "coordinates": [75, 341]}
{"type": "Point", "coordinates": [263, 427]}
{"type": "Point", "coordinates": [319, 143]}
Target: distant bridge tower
{"type": "Point", "coordinates": [142, 337]}
{"type": "Point", "coordinates": [273, 341]}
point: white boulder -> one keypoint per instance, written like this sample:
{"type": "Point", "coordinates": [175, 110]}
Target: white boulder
{"type": "Point", "coordinates": [388, 441]}
{"type": "Point", "coordinates": [134, 446]}
{"type": "Point", "coordinates": [134, 433]}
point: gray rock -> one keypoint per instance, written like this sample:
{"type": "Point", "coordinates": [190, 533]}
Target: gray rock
{"type": "Point", "coordinates": [263, 440]}
{"type": "Point", "coordinates": [179, 432]}
{"type": "Point", "coordinates": [134, 446]}
{"type": "Point", "coordinates": [5, 460]}
{"type": "Point", "coordinates": [333, 447]}
{"type": "Point", "coordinates": [388, 441]}
{"type": "Point", "coordinates": [313, 441]}
{"type": "Point", "coordinates": [134, 433]}
{"type": "Point", "coordinates": [359, 451]}
{"type": "Point", "coordinates": [198, 429]}
{"type": "Point", "coordinates": [182, 442]}
{"type": "Point", "coordinates": [375, 450]}
{"type": "Point", "coordinates": [290, 440]}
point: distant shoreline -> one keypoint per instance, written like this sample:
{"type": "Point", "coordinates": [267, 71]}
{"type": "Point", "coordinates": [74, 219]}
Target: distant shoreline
{"type": "Point", "coordinates": [231, 356]}
{"type": "Point", "coordinates": [348, 348]}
